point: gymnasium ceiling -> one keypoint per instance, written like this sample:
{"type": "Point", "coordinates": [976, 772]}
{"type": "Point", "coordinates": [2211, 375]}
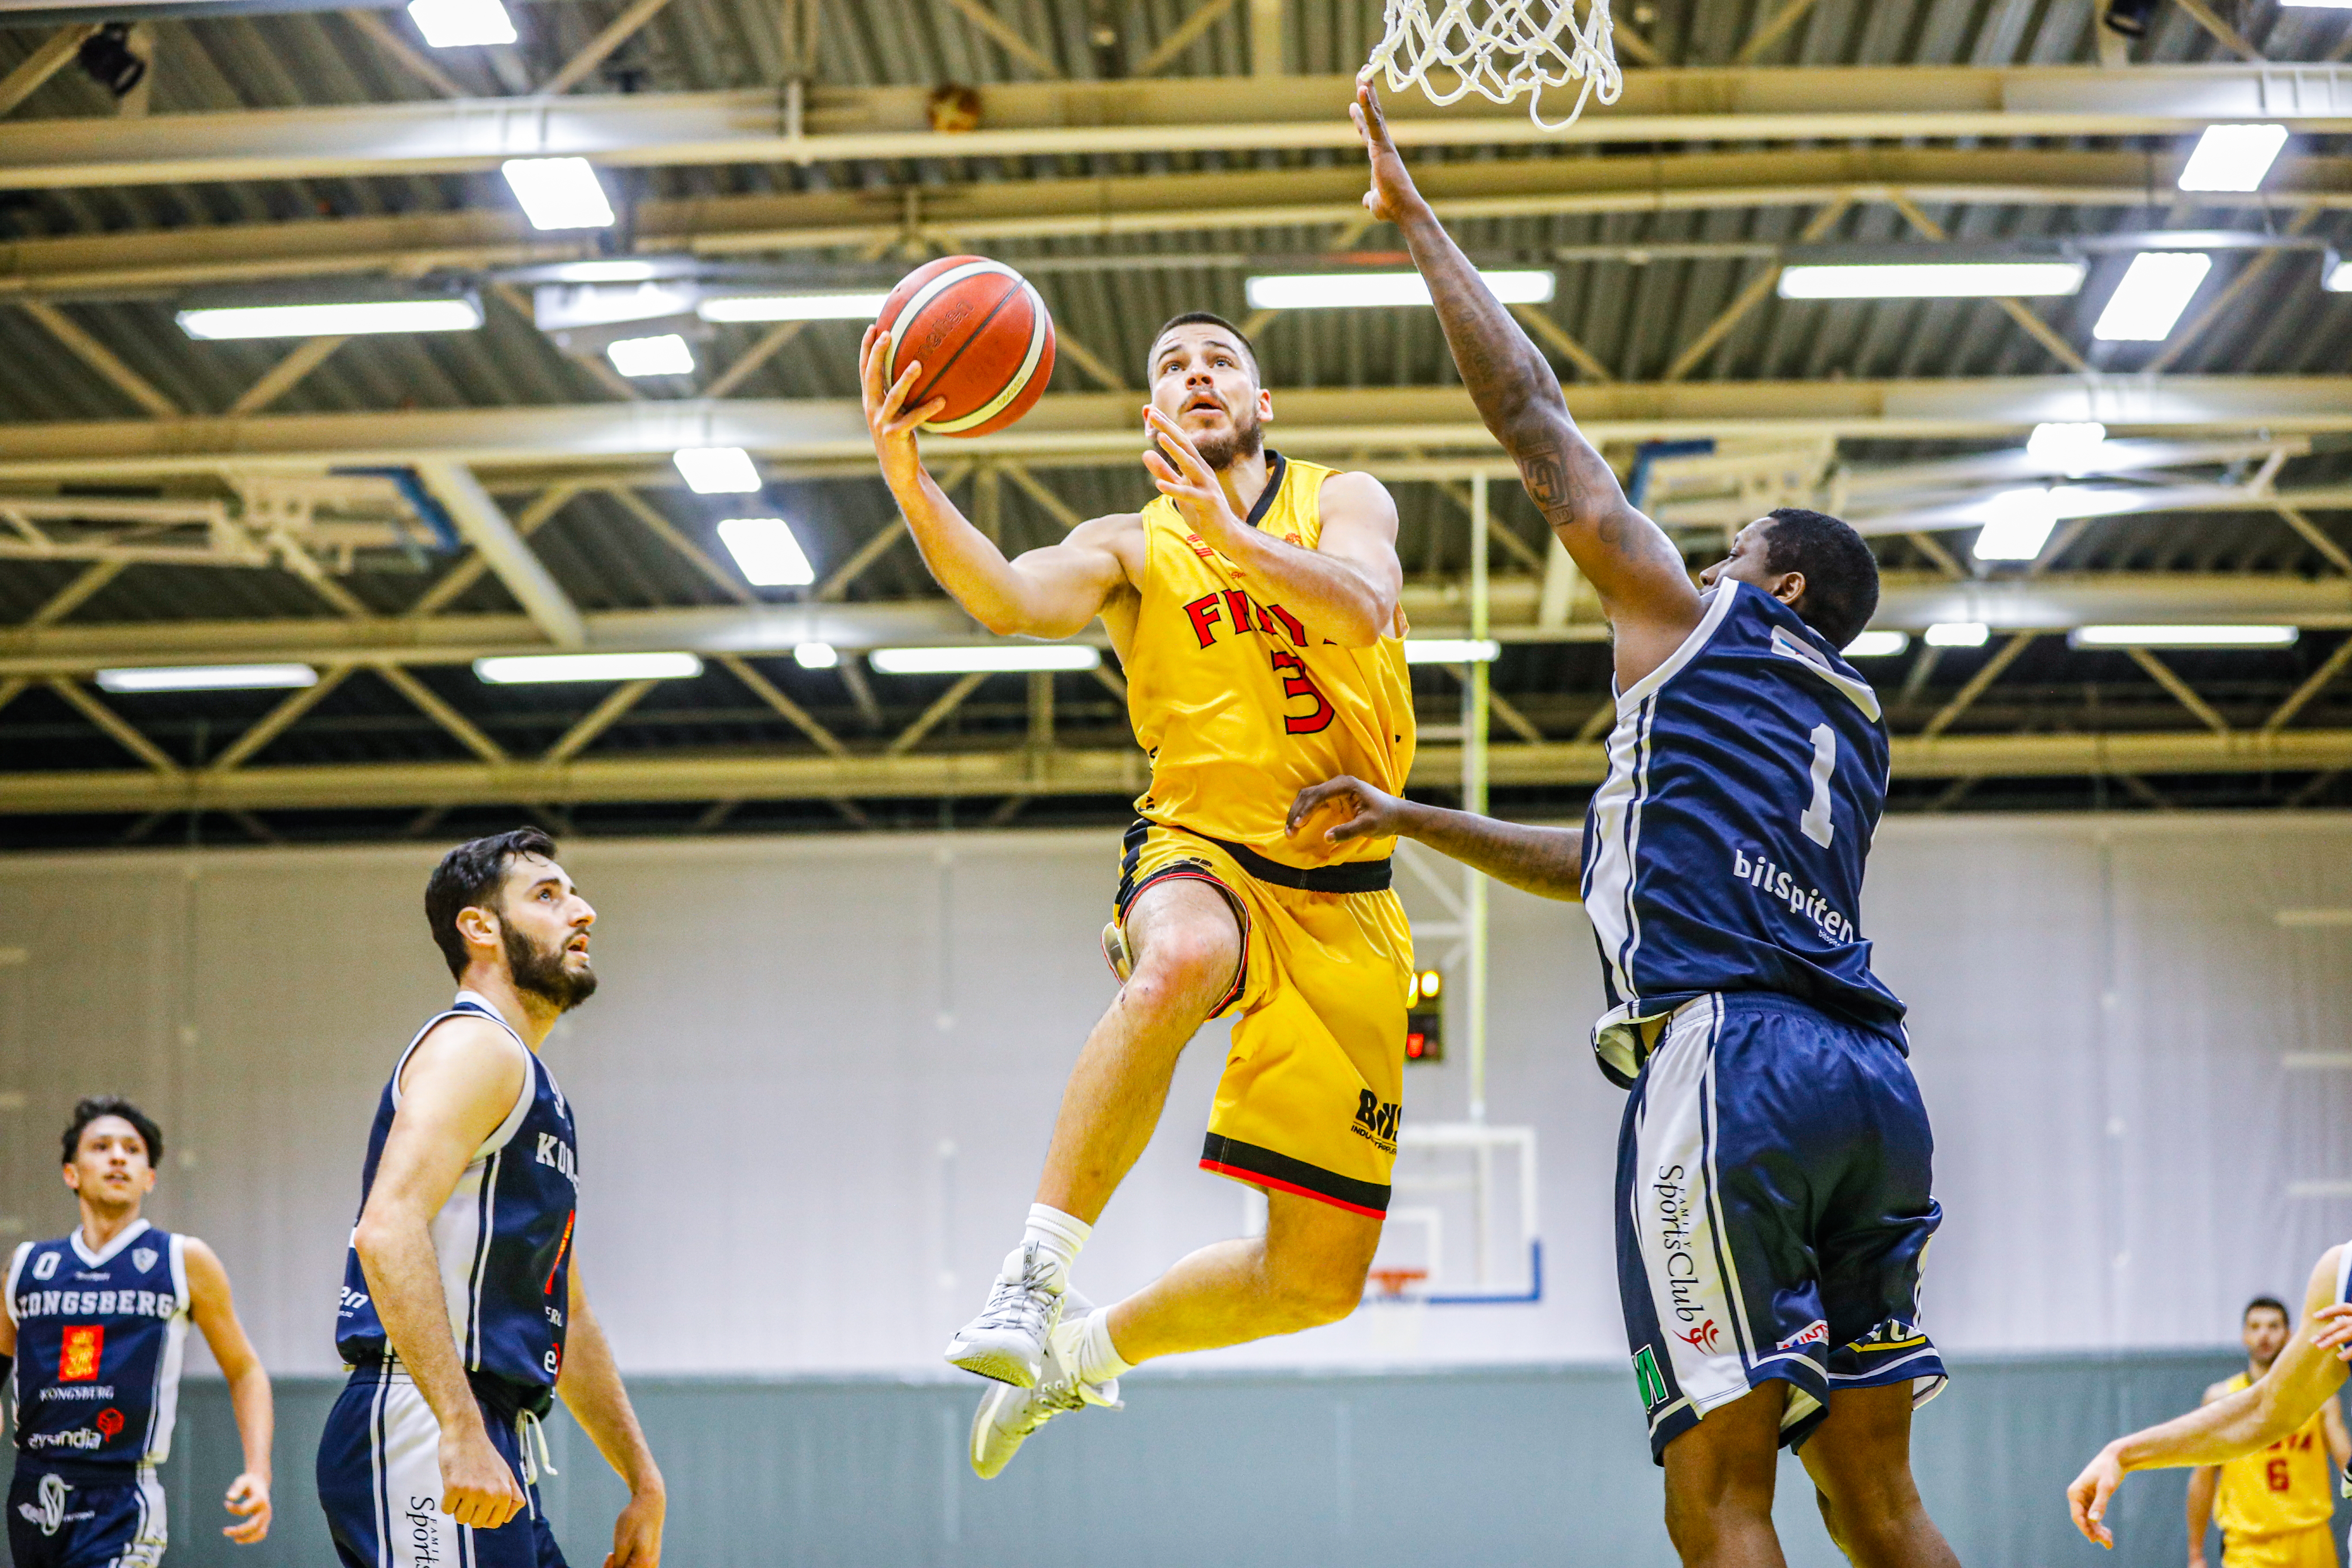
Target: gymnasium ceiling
{"type": "Point", "coordinates": [1128, 153]}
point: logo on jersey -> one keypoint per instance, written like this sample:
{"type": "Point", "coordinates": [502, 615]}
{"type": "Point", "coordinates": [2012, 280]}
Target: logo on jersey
{"type": "Point", "coordinates": [142, 1258]}
{"type": "Point", "coordinates": [85, 1345]}
{"type": "Point", "coordinates": [45, 1266]}
{"type": "Point", "coordinates": [109, 1422]}
{"type": "Point", "coordinates": [50, 1512]}
{"type": "Point", "coordinates": [1783, 888]}
{"type": "Point", "coordinates": [1647, 1379]}
{"type": "Point", "coordinates": [1702, 1338]}
{"type": "Point", "coordinates": [1377, 1120]}
{"type": "Point", "coordinates": [1816, 1333]}
{"type": "Point", "coordinates": [1671, 1209]}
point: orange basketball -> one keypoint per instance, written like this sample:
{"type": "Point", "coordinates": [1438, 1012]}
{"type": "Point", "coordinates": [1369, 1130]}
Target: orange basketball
{"type": "Point", "coordinates": [984, 336]}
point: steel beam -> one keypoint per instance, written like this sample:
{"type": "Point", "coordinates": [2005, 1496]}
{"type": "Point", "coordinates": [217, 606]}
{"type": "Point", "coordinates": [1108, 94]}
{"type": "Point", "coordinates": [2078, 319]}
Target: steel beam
{"type": "Point", "coordinates": [1353, 423]}
{"type": "Point", "coordinates": [1191, 114]}
{"type": "Point", "coordinates": [1910, 600]}
{"type": "Point", "coordinates": [1027, 771]}
{"type": "Point", "coordinates": [948, 216]}
{"type": "Point", "coordinates": [486, 526]}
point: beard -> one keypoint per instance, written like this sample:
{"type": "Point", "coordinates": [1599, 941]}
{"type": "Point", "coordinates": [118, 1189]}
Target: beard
{"type": "Point", "coordinates": [1242, 440]}
{"type": "Point", "coordinates": [541, 971]}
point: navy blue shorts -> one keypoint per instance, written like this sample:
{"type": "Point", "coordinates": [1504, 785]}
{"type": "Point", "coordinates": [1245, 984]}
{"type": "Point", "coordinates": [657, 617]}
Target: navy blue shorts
{"type": "Point", "coordinates": [379, 1482]}
{"type": "Point", "coordinates": [1773, 1210]}
{"type": "Point", "coordinates": [89, 1521]}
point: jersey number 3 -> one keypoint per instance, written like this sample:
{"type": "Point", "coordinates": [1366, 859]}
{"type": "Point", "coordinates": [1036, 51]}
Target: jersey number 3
{"type": "Point", "coordinates": [1816, 821]}
{"type": "Point", "coordinates": [1296, 682]}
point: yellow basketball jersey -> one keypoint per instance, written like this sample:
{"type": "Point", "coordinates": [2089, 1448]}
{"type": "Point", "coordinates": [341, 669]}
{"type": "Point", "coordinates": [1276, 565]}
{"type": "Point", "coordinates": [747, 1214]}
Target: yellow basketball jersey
{"type": "Point", "coordinates": [1240, 703]}
{"type": "Point", "coordinates": [2286, 1486]}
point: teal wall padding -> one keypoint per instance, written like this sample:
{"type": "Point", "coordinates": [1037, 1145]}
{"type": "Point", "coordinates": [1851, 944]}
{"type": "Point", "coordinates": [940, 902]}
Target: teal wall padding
{"type": "Point", "coordinates": [1492, 1466]}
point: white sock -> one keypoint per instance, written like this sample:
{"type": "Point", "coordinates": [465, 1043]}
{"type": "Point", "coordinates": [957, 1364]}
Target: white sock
{"type": "Point", "coordinates": [1098, 1359]}
{"type": "Point", "coordinates": [1059, 1233]}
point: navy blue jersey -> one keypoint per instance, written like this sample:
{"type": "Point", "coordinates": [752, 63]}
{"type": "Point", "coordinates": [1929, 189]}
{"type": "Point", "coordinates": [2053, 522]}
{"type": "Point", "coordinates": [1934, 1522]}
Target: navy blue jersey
{"type": "Point", "coordinates": [1724, 850]}
{"type": "Point", "coordinates": [99, 1338]}
{"type": "Point", "coordinates": [504, 1236]}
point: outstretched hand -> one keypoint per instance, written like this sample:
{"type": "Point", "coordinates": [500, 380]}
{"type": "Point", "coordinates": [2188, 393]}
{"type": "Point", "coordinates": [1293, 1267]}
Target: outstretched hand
{"type": "Point", "coordinates": [2336, 1333]}
{"type": "Point", "coordinates": [1185, 478]}
{"type": "Point", "coordinates": [1369, 812]}
{"type": "Point", "coordinates": [2087, 1497]}
{"type": "Point", "coordinates": [887, 419]}
{"type": "Point", "coordinates": [1392, 198]}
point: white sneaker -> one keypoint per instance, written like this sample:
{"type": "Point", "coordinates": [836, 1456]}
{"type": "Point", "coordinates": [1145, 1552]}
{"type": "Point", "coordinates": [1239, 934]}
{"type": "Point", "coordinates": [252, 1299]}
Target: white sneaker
{"type": "Point", "coordinates": [1007, 1415]}
{"type": "Point", "coordinates": [1007, 1342]}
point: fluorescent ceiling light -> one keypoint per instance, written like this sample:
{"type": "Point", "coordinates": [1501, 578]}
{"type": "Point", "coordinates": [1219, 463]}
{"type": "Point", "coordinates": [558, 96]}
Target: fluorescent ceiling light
{"type": "Point", "coordinates": [2232, 157]}
{"type": "Point", "coordinates": [718, 470]}
{"type": "Point", "coordinates": [987, 658]}
{"type": "Point", "coordinates": [2338, 277]}
{"type": "Point", "coordinates": [528, 669]}
{"type": "Point", "coordinates": [1932, 280]}
{"type": "Point", "coordinates": [559, 193]}
{"type": "Point", "coordinates": [2319, 5]}
{"type": "Point", "coordinates": [455, 313]}
{"type": "Point", "coordinates": [2156, 288]}
{"type": "Point", "coordinates": [1958, 634]}
{"type": "Point", "coordinates": [2182, 637]}
{"type": "Point", "coordinates": [208, 677]}
{"type": "Point", "coordinates": [461, 24]}
{"type": "Point", "coordinates": [613, 272]}
{"type": "Point", "coordinates": [2066, 442]}
{"type": "Point", "coordinates": [816, 655]}
{"type": "Point", "coordinates": [766, 550]}
{"type": "Point", "coordinates": [1878, 644]}
{"type": "Point", "coordinates": [820, 307]}
{"type": "Point", "coordinates": [2017, 525]}
{"type": "Point", "coordinates": [1451, 650]}
{"type": "Point", "coordinates": [665, 355]}
{"type": "Point", "coordinates": [1325, 290]}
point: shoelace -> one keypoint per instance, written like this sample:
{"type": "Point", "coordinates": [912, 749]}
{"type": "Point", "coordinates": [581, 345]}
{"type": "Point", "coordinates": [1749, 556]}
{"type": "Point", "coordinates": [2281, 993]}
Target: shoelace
{"type": "Point", "coordinates": [1025, 1304]}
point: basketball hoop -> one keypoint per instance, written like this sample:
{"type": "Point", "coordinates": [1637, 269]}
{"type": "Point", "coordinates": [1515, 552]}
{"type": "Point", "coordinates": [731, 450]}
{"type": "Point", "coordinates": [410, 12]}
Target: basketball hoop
{"type": "Point", "coordinates": [1394, 1282]}
{"type": "Point", "coordinates": [1521, 45]}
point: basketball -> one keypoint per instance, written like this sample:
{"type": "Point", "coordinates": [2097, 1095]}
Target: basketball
{"type": "Point", "coordinates": [984, 336]}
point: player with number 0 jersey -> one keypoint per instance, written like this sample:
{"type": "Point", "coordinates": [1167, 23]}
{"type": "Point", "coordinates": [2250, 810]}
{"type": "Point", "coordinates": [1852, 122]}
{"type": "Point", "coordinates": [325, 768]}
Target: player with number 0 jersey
{"type": "Point", "coordinates": [1254, 607]}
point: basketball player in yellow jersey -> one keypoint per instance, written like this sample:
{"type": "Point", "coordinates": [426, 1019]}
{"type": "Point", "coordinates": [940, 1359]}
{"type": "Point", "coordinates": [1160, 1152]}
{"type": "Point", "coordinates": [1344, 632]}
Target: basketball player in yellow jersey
{"type": "Point", "coordinates": [2275, 1505]}
{"type": "Point", "coordinates": [1254, 606]}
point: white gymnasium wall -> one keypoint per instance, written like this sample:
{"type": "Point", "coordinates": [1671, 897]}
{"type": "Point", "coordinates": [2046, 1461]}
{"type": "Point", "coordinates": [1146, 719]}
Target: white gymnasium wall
{"type": "Point", "coordinates": [816, 1085]}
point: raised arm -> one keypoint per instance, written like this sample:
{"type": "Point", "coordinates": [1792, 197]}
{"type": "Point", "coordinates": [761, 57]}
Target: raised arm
{"type": "Point", "coordinates": [2305, 1375]}
{"type": "Point", "coordinates": [1546, 861]}
{"type": "Point", "coordinates": [1628, 559]}
{"type": "Point", "coordinates": [458, 1086]}
{"type": "Point", "coordinates": [1048, 592]}
{"type": "Point", "coordinates": [591, 1390]}
{"type": "Point", "coordinates": [1346, 588]}
{"type": "Point", "coordinates": [213, 1308]}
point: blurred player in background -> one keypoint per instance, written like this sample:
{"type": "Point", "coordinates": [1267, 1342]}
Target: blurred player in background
{"type": "Point", "coordinates": [2276, 1506]}
{"type": "Point", "coordinates": [463, 1312]}
{"type": "Point", "coordinates": [1253, 608]}
{"type": "Point", "coordinates": [1773, 1193]}
{"type": "Point", "coordinates": [2264, 1429]}
{"type": "Point", "coordinates": [95, 1323]}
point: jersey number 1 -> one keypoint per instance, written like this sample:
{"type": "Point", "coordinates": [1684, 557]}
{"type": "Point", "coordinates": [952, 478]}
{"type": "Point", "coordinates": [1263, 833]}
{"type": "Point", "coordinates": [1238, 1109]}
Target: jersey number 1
{"type": "Point", "coordinates": [1816, 821]}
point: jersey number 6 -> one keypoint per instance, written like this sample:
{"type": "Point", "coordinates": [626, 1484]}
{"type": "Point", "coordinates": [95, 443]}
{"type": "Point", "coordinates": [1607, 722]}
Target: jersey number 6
{"type": "Point", "coordinates": [1297, 683]}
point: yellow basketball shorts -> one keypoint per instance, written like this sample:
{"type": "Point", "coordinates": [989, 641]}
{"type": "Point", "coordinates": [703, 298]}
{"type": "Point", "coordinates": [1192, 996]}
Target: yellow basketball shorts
{"type": "Point", "coordinates": [2313, 1548]}
{"type": "Point", "coordinates": [1314, 1081]}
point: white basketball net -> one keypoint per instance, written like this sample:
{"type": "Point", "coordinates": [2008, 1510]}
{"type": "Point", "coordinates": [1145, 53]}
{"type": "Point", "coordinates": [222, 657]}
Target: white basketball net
{"type": "Point", "coordinates": [1519, 46]}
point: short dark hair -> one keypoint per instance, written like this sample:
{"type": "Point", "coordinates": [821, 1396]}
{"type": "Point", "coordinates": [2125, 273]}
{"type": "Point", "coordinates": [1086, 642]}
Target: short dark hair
{"type": "Point", "coordinates": [1841, 573]}
{"type": "Point", "coordinates": [90, 1108]}
{"type": "Point", "coordinates": [2273, 1302]}
{"type": "Point", "coordinates": [1210, 319]}
{"type": "Point", "coordinates": [467, 877]}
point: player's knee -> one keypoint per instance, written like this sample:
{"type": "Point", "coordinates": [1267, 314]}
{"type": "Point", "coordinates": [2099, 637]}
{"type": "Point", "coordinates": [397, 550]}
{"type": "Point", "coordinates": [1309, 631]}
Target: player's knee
{"type": "Point", "coordinates": [1183, 967]}
{"type": "Point", "coordinates": [1313, 1299]}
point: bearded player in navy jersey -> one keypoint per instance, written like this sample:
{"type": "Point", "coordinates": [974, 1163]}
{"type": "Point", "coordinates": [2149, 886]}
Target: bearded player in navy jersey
{"type": "Point", "coordinates": [463, 1315]}
{"type": "Point", "coordinates": [94, 1324]}
{"type": "Point", "coordinates": [1773, 1197]}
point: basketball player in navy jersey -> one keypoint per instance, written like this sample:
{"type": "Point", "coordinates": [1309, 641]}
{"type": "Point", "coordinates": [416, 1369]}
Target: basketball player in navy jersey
{"type": "Point", "coordinates": [1773, 1199]}
{"type": "Point", "coordinates": [95, 1323]}
{"type": "Point", "coordinates": [463, 1315]}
